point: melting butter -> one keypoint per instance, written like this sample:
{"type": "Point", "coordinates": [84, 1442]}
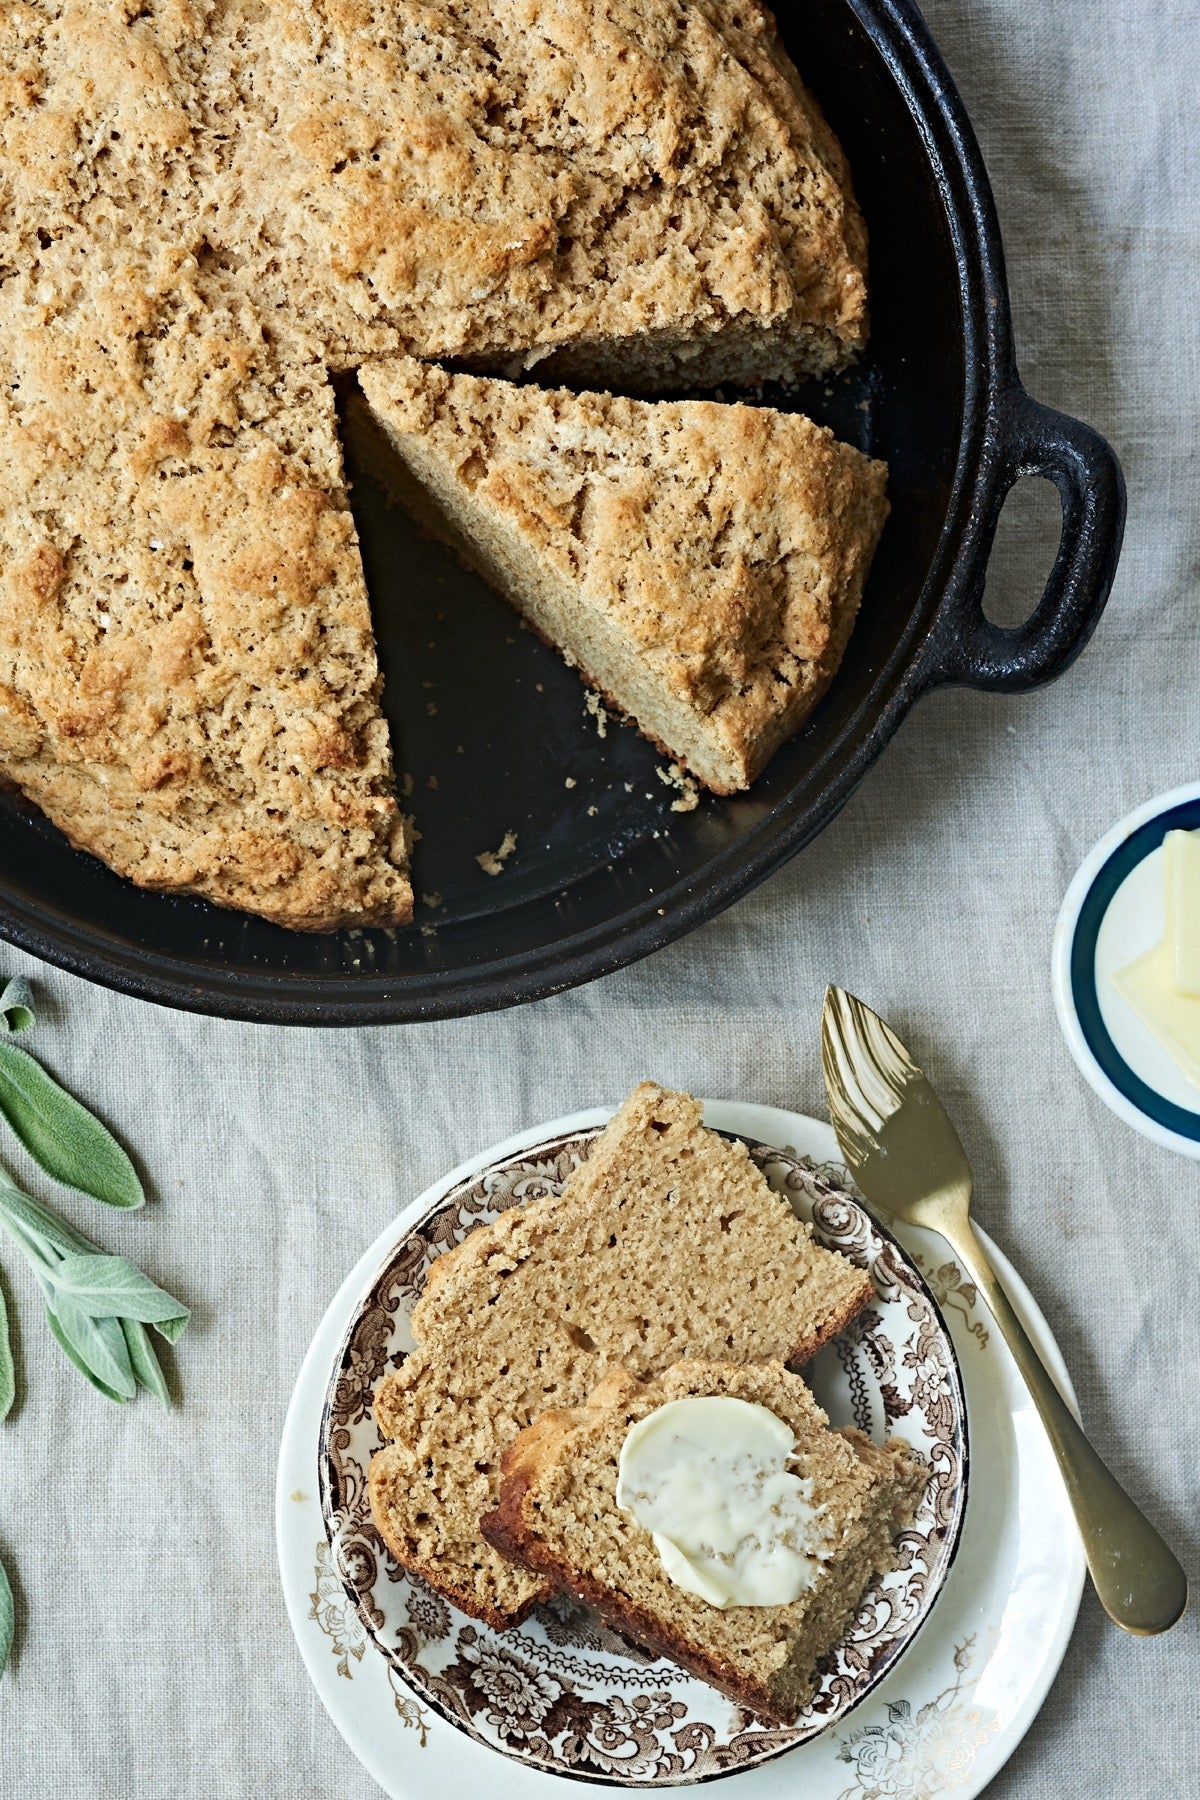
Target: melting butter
{"type": "Point", "coordinates": [707, 1477]}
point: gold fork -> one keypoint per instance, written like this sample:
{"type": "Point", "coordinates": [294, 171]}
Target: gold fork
{"type": "Point", "coordinates": [906, 1157]}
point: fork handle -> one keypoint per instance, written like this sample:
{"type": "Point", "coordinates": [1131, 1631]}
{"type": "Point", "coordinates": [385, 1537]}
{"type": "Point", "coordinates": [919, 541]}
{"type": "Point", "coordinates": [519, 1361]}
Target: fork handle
{"type": "Point", "coordinates": [1139, 1581]}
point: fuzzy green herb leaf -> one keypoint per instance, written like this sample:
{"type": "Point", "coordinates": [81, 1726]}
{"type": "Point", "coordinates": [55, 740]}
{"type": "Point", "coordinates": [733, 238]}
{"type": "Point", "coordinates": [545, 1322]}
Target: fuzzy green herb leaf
{"type": "Point", "coordinates": [8, 1373]}
{"type": "Point", "coordinates": [144, 1362]}
{"type": "Point", "coordinates": [37, 1225]}
{"type": "Point", "coordinates": [100, 1343]}
{"type": "Point", "coordinates": [98, 1306]}
{"type": "Point", "coordinates": [16, 1005]}
{"type": "Point", "coordinates": [7, 1619]}
{"type": "Point", "coordinates": [171, 1329]}
{"type": "Point", "coordinates": [63, 1137]}
{"type": "Point", "coordinates": [69, 1350]}
{"type": "Point", "coordinates": [111, 1287]}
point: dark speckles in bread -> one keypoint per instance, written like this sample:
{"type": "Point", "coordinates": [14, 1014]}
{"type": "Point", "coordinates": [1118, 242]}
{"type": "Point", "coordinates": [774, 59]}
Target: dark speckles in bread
{"type": "Point", "coordinates": [207, 204]}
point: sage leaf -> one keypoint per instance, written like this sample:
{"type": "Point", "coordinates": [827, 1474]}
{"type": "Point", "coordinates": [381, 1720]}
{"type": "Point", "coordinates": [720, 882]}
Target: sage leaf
{"type": "Point", "coordinates": [8, 1373]}
{"type": "Point", "coordinates": [111, 1287]}
{"type": "Point", "coordinates": [144, 1362]}
{"type": "Point", "coordinates": [65, 1345]}
{"type": "Point", "coordinates": [98, 1306]}
{"type": "Point", "coordinates": [38, 1225]}
{"type": "Point", "coordinates": [7, 1619]}
{"type": "Point", "coordinates": [100, 1343]}
{"type": "Point", "coordinates": [63, 1137]}
{"type": "Point", "coordinates": [38, 1250]}
{"type": "Point", "coordinates": [16, 1005]}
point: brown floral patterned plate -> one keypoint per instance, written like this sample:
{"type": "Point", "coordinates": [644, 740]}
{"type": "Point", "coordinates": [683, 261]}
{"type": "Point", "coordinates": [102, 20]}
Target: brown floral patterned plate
{"type": "Point", "coordinates": [426, 1698]}
{"type": "Point", "coordinates": [563, 1692]}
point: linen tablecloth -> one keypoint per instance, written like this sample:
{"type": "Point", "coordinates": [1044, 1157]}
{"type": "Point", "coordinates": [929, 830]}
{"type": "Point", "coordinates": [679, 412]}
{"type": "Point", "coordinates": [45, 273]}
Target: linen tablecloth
{"type": "Point", "coordinates": [154, 1658]}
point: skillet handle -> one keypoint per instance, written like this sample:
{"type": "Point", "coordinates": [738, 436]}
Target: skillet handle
{"type": "Point", "coordinates": [1031, 439]}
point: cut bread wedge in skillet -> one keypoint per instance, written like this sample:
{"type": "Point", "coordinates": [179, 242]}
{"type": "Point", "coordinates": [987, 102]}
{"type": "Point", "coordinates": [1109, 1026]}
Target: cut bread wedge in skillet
{"type": "Point", "coordinates": [700, 563]}
{"type": "Point", "coordinates": [639, 192]}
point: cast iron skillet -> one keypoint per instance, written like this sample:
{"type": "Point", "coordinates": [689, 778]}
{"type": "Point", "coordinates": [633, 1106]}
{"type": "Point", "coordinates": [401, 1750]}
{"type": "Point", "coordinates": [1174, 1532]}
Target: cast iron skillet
{"type": "Point", "coordinates": [491, 725]}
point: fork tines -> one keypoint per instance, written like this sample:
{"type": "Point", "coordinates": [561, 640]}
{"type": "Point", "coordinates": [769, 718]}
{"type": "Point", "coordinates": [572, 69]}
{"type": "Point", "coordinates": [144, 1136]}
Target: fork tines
{"type": "Point", "coordinates": [867, 1068]}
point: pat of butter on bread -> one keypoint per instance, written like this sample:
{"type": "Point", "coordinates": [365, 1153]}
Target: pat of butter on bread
{"type": "Point", "coordinates": [707, 1477]}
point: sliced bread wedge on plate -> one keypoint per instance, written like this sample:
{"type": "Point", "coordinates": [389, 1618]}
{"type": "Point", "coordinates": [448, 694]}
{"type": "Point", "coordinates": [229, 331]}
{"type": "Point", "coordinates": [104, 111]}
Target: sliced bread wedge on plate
{"type": "Point", "coordinates": [559, 1516]}
{"type": "Point", "coordinates": [667, 1242]}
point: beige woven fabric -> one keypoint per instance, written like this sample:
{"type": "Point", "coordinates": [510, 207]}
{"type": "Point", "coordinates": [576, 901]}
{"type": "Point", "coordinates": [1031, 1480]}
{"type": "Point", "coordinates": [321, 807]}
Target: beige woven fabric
{"type": "Point", "coordinates": [156, 1662]}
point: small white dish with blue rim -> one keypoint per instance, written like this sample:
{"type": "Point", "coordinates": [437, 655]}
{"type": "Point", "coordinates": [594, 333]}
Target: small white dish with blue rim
{"type": "Point", "coordinates": [1112, 912]}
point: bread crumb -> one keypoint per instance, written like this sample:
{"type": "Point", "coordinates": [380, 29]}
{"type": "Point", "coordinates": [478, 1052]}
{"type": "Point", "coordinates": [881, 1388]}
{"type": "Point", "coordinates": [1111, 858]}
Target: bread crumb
{"type": "Point", "coordinates": [407, 784]}
{"type": "Point", "coordinates": [432, 783]}
{"type": "Point", "coordinates": [595, 706]}
{"type": "Point", "coordinates": [493, 861]}
{"type": "Point", "coordinates": [676, 776]}
{"type": "Point", "coordinates": [570, 781]}
{"type": "Point", "coordinates": [431, 708]}
{"type": "Point", "coordinates": [433, 901]}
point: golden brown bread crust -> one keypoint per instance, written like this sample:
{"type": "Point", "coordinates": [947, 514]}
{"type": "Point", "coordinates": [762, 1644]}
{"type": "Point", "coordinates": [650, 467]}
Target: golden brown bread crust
{"type": "Point", "coordinates": [206, 203]}
{"type": "Point", "coordinates": [641, 193]}
{"type": "Point", "coordinates": [834, 1322]}
{"type": "Point", "coordinates": [466, 1597]}
{"type": "Point", "coordinates": [508, 1530]}
{"type": "Point", "coordinates": [523, 1525]}
{"type": "Point", "coordinates": [188, 681]}
{"type": "Point", "coordinates": [531, 1227]}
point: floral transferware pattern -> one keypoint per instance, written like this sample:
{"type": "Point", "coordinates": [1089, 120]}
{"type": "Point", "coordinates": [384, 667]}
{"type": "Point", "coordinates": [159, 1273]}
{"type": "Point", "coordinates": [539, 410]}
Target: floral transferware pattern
{"type": "Point", "coordinates": [918, 1754]}
{"type": "Point", "coordinates": [564, 1691]}
{"type": "Point", "coordinates": [954, 1293]}
{"type": "Point", "coordinates": [336, 1614]}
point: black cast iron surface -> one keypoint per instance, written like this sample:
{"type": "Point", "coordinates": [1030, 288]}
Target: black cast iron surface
{"type": "Point", "coordinates": [492, 728]}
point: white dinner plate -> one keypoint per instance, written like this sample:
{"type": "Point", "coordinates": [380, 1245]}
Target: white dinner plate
{"type": "Point", "coordinates": [946, 1715]}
